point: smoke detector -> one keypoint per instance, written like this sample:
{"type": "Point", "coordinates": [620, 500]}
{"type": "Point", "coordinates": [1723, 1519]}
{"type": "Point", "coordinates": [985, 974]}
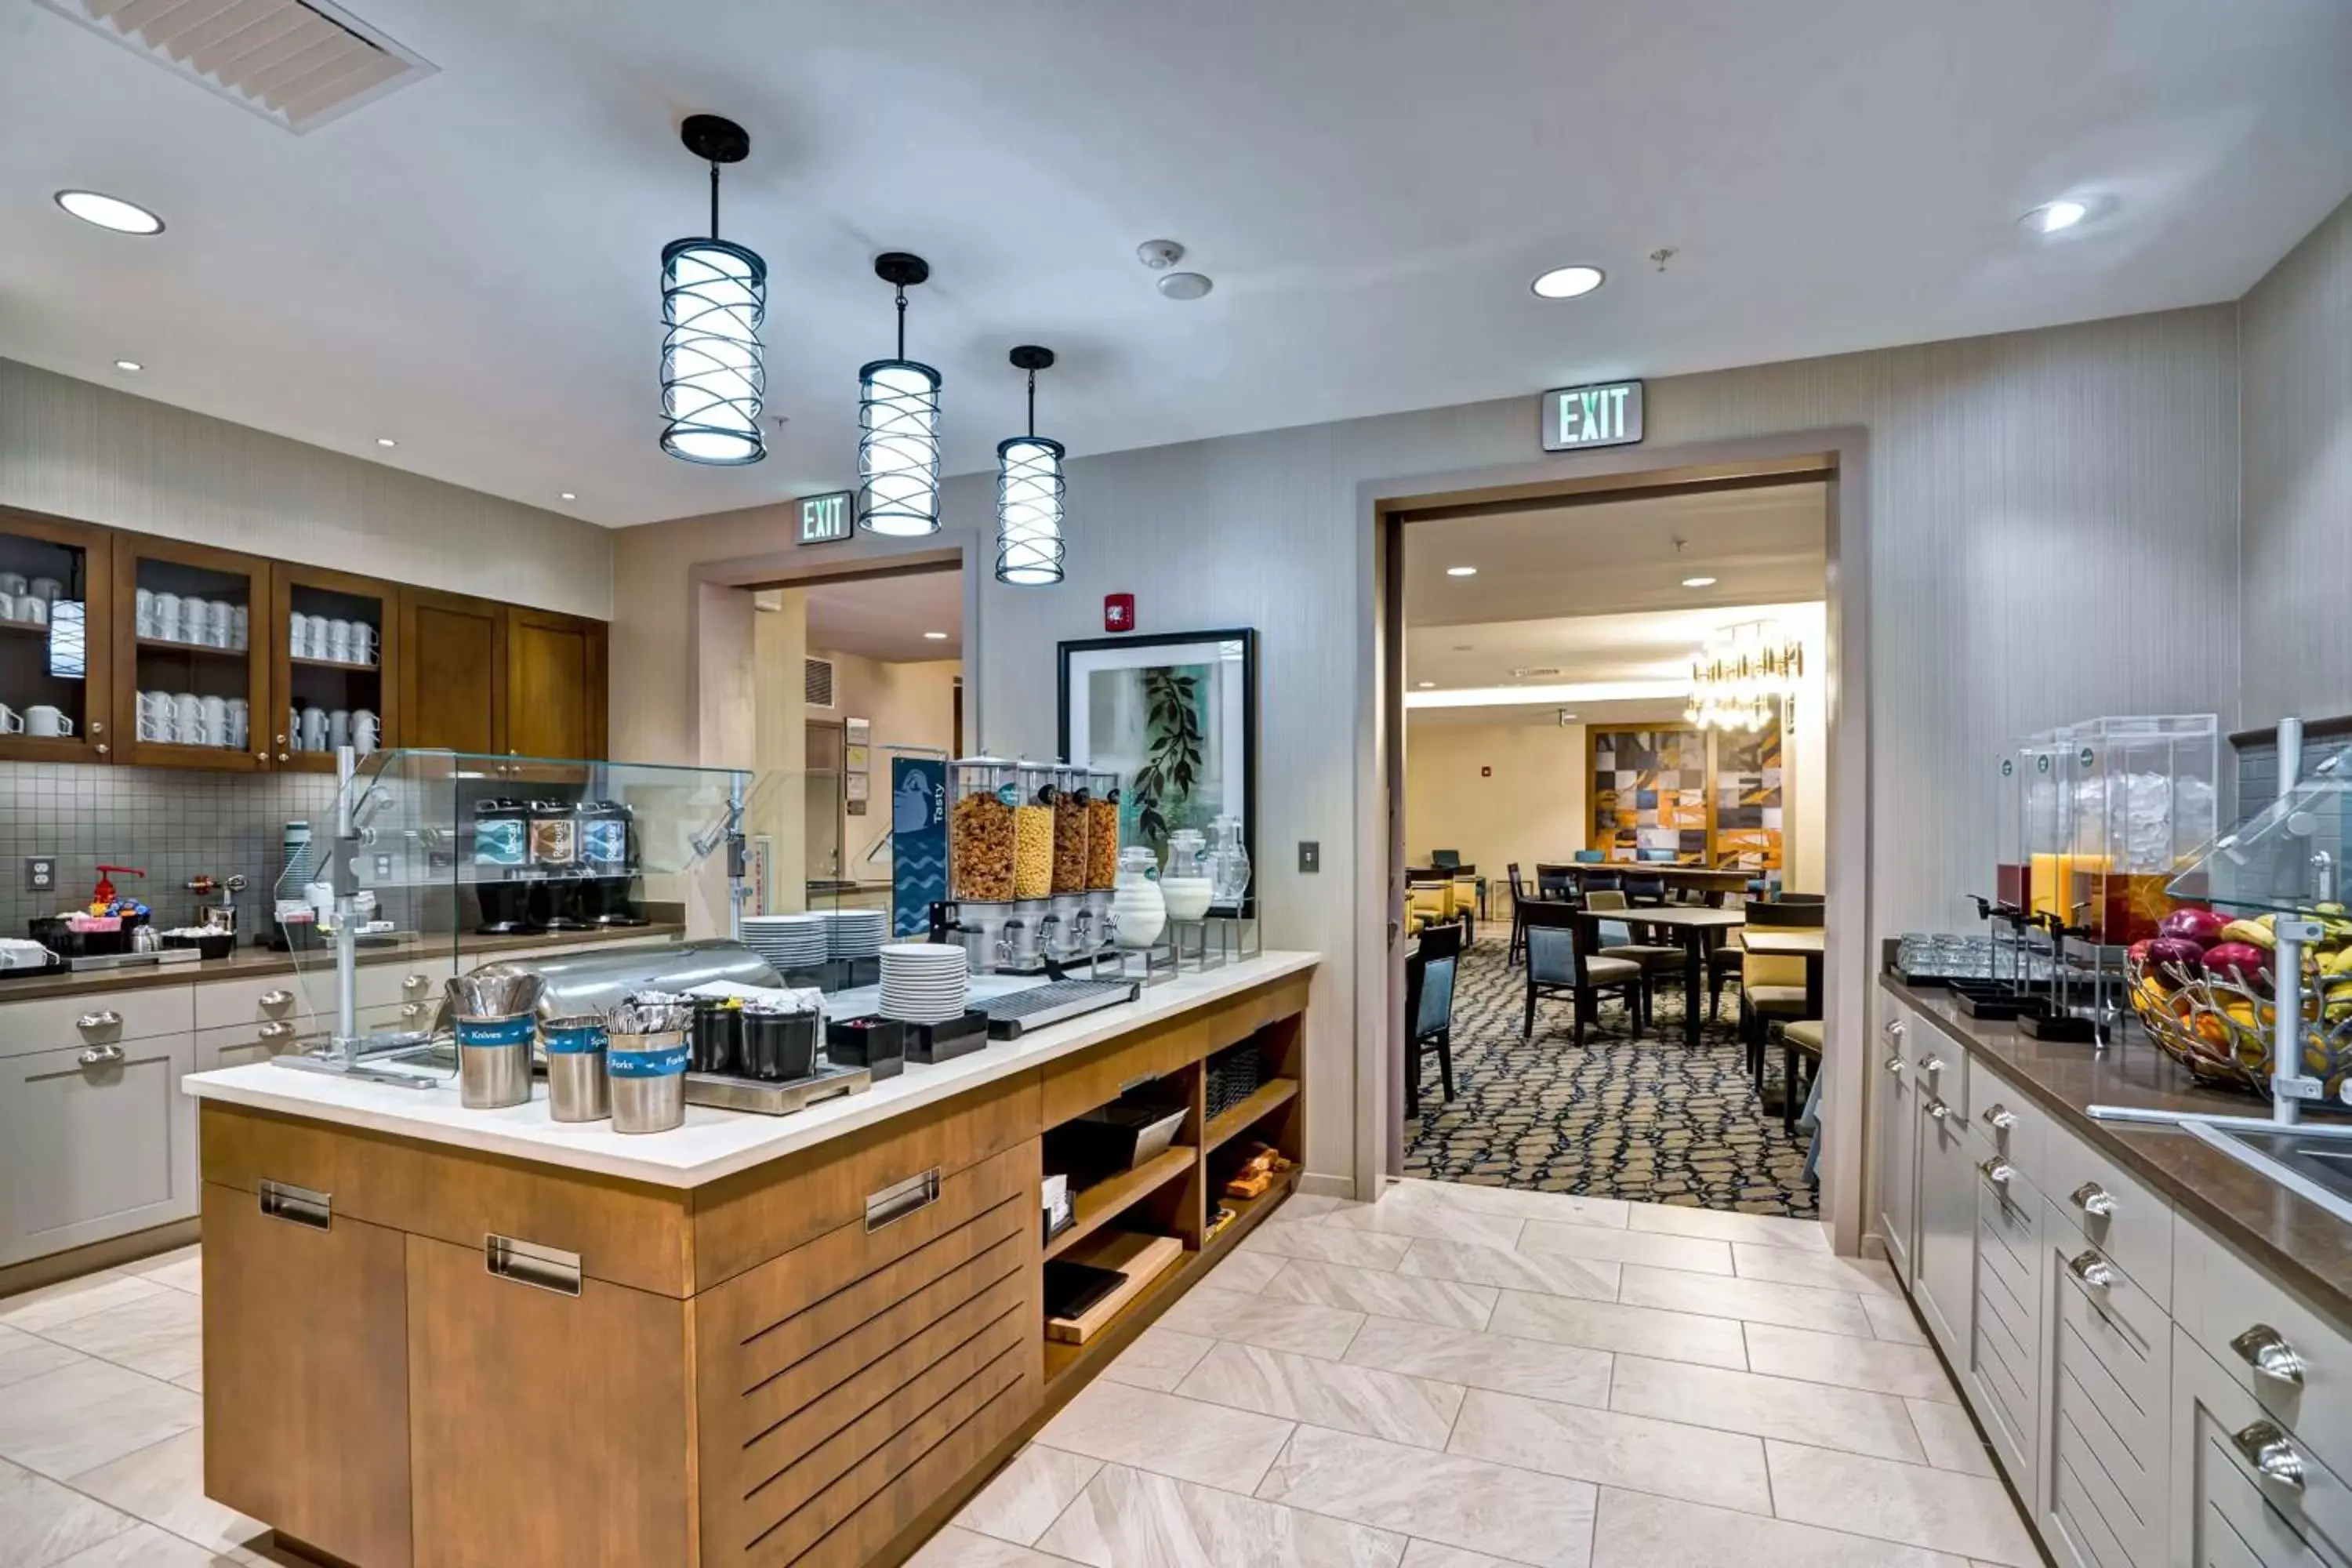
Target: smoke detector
{"type": "Point", "coordinates": [1160, 255]}
{"type": "Point", "coordinates": [296, 63]}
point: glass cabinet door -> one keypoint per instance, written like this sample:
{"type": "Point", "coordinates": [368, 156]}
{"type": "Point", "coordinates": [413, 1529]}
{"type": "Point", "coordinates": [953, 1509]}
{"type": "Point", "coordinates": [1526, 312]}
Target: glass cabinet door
{"type": "Point", "coordinates": [336, 651]}
{"type": "Point", "coordinates": [56, 588]}
{"type": "Point", "coordinates": [192, 635]}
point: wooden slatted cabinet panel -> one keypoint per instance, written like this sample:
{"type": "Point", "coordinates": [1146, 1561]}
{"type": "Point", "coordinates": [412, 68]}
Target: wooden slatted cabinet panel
{"type": "Point", "coordinates": [453, 671]}
{"type": "Point", "coordinates": [45, 664]}
{"type": "Point", "coordinates": [191, 652]}
{"type": "Point", "coordinates": [306, 1424]}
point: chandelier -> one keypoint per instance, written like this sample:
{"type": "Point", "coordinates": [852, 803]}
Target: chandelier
{"type": "Point", "coordinates": [1741, 674]}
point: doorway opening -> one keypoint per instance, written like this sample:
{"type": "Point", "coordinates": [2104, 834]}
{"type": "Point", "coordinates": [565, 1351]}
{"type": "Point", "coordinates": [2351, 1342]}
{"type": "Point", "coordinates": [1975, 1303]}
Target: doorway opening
{"type": "Point", "coordinates": [1609, 766]}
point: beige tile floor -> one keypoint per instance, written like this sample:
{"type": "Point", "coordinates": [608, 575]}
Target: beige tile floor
{"type": "Point", "coordinates": [1471, 1377]}
{"type": "Point", "coordinates": [1456, 1377]}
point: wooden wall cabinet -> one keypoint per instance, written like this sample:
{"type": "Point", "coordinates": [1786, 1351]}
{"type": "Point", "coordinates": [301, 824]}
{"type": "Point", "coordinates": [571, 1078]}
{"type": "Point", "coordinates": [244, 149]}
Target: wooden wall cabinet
{"type": "Point", "coordinates": [206, 647]}
{"type": "Point", "coordinates": [309, 674]}
{"type": "Point", "coordinates": [36, 669]}
{"type": "Point", "coordinates": [556, 684]}
{"type": "Point", "coordinates": [453, 671]}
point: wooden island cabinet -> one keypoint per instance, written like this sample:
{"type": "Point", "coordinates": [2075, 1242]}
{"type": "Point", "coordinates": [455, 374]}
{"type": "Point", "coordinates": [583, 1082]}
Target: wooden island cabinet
{"type": "Point", "coordinates": [437, 1338]}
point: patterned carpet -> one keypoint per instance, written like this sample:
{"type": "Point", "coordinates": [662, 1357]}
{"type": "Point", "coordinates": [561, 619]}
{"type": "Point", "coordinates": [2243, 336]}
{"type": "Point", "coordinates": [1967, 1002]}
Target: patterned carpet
{"type": "Point", "coordinates": [1646, 1120]}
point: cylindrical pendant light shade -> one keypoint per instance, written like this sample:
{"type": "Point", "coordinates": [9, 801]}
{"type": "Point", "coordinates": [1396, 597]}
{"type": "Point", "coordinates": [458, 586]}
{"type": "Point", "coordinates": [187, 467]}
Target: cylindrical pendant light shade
{"type": "Point", "coordinates": [899, 447]}
{"type": "Point", "coordinates": [1029, 511]}
{"type": "Point", "coordinates": [714, 297]}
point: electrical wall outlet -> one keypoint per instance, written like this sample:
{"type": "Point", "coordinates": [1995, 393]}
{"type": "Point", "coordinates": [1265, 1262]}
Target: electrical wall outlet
{"type": "Point", "coordinates": [40, 873]}
{"type": "Point", "coordinates": [383, 868]}
{"type": "Point", "coordinates": [1310, 855]}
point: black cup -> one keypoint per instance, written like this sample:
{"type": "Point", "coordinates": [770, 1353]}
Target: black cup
{"type": "Point", "coordinates": [779, 1046]}
{"type": "Point", "coordinates": [717, 1042]}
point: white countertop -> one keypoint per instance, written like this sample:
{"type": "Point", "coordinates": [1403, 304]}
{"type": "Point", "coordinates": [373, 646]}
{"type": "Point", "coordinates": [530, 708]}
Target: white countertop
{"type": "Point", "coordinates": [713, 1144]}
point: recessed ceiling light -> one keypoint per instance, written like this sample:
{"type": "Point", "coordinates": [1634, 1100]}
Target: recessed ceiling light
{"type": "Point", "coordinates": [935, 637]}
{"type": "Point", "coordinates": [109, 211]}
{"type": "Point", "coordinates": [385, 441]}
{"type": "Point", "coordinates": [1425, 685]}
{"type": "Point", "coordinates": [1461, 571]}
{"type": "Point", "coordinates": [1568, 282]}
{"type": "Point", "coordinates": [569, 496]}
{"type": "Point", "coordinates": [2053, 217]}
{"type": "Point", "coordinates": [129, 365]}
{"type": "Point", "coordinates": [1698, 581]}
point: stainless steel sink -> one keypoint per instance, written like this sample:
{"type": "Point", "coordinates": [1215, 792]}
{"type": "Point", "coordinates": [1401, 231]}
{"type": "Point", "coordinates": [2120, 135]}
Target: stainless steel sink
{"type": "Point", "coordinates": [2315, 1161]}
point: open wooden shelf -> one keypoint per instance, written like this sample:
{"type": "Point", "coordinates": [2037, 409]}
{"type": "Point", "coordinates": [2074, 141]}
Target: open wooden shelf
{"type": "Point", "coordinates": [336, 664]}
{"type": "Point", "coordinates": [1107, 1199]}
{"type": "Point", "coordinates": [202, 650]}
{"type": "Point", "coordinates": [1272, 1094]}
{"type": "Point", "coordinates": [27, 629]}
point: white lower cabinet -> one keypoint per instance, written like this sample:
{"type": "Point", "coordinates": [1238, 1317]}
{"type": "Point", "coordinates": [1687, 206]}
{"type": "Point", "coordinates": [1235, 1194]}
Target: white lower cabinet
{"type": "Point", "coordinates": [2247, 1492]}
{"type": "Point", "coordinates": [2107, 1371]}
{"type": "Point", "coordinates": [96, 1142]}
{"type": "Point", "coordinates": [1897, 1190]}
{"type": "Point", "coordinates": [1945, 1284]}
{"type": "Point", "coordinates": [2004, 1358]}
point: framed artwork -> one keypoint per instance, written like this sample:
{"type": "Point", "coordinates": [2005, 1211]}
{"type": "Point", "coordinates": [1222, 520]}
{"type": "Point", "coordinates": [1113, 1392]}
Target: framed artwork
{"type": "Point", "coordinates": [1747, 800]}
{"type": "Point", "coordinates": [1175, 717]}
{"type": "Point", "coordinates": [1650, 794]}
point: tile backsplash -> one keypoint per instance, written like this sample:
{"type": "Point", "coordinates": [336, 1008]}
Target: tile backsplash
{"type": "Point", "coordinates": [174, 823]}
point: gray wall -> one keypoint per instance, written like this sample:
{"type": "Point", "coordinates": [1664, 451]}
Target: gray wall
{"type": "Point", "coordinates": [2296, 592]}
{"type": "Point", "coordinates": [172, 822]}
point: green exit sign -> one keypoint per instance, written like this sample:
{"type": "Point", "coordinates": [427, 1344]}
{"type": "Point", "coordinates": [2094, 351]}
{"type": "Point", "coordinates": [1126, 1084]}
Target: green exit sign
{"type": "Point", "coordinates": [1608, 413]}
{"type": "Point", "coordinates": [826, 519]}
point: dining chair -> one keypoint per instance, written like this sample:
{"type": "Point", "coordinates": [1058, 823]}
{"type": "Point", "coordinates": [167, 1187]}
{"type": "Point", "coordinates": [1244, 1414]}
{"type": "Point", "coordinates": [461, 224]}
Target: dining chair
{"type": "Point", "coordinates": [1800, 1039]}
{"type": "Point", "coordinates": [1553, 883]}
{"type": "Point", "coordinates": [1644, 887]}
{"type": "Point", "coordinates": [1724, 962]}
{"type": "Point", "coordinates": [1615, 941]}
{"type": "Point", "coordinates": [1773, 986]}
{"type": "Point", "coordinates": [1518, 928]}
{"type": "Point", "coordinates": [1429, 975]}
{"type": "Point", "coordinates": [1558, 961]}
{"type": "Point", "coordinates": [1592, 856]}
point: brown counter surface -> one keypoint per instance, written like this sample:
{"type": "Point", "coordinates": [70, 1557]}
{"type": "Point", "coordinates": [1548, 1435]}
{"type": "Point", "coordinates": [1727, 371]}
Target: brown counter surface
{"type": "Point", "coordinates": [259, 962]}
{"type": "Point", "coordinates": [2292, 1239]}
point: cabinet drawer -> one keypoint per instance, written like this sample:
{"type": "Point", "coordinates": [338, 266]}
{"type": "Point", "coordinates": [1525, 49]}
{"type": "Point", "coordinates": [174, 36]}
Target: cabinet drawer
{"type": "Point", "coordinates": [2014, 1124]}
{"type": "Point", "coordinates": [624, 1233]}
{"type": "Point", "coordinates": [241, 1043]}
{"type": "Point", "coordinates": [2109, 1427]}
{"type": "Point", "coordinates": [221, 1003]}
{"type": "Point", "coordinates": [2242, 1317]}
{"type": "Point", "coordinates": [2116, 1213]}
{"type": "Point", "coordinates": [95, 1142]}
{"type": "Point", "coordinates": [2232, 1504]}
{"type": "Point", "coordinates": [101, 1017]}
{"type": "Point", "coordinates": [2005, 1405]}
{"type": "Point", "coordinates": [2116, 1324]}
{"type": "Point", "coordinates": [2009, 1226]}
{"type": "Point", "coordinates": [1075, 1085]}
{"type": "Point", "coordinates": [410, 979]}
{"type": "Point", "coordinates": [1939, 1068]}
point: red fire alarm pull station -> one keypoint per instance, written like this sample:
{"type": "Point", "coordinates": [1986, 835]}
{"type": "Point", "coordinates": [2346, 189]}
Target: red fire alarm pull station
{"type": "Point", "coordinates": [1119, 612]}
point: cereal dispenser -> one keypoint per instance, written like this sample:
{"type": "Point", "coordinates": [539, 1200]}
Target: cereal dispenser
{"type": "Point", "coordinates": [1070, 925]}
{"type": "Point", "coordinates": [1102, 854]}
{"type": "Point", "coordinates": [983, 794]}
{"type": "Point", "coordinates": [1036, 786]}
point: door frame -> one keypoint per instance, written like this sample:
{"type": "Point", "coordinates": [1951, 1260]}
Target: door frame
{"type": "Point", "coordinates": [1839, 457]}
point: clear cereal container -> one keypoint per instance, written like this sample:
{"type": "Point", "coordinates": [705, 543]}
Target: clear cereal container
{"type": "Point", "coordinates": [983, 793]}
{"type": "Point", "coordinates": [1070, 801]}
{"type": "Point", "coordinates": [1102, 831]}
{"type": "Point", "coordinates": [1033, 830]}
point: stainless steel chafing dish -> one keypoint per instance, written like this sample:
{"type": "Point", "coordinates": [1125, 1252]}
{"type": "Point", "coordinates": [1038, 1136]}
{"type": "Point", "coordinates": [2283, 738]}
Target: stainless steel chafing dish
{"type": "Point", "coordinates": [578, 983]}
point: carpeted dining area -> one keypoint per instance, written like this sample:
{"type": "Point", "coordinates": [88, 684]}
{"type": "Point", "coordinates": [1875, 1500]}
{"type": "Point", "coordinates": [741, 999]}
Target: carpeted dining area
{"type": "Point", "coordinates": [1650, 1121]}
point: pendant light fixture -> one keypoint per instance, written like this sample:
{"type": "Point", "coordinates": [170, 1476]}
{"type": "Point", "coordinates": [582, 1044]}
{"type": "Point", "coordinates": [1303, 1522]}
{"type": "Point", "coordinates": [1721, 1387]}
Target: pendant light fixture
{"type": "Point", "coordinates": [714, 298]}
{"type": "Point", "coordinates": [1029, 492]}
{"type": "Point", "coordinates": [898, 425]}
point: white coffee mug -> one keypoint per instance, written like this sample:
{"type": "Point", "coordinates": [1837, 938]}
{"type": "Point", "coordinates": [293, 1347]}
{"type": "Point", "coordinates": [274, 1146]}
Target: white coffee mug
{"type": "Point", "coordinates": [194, 614]}
{"type": "Point", "coordinates": [314, 636]}
{"type": "Point", "coordinates": [43, 720]}
{"type": "Point", "coordinates": [339, 729]}
{"type": "Point", "coordinates": [12, 583]}
{"type": "Point", "coordinates": [11, 722]}
{"type": "Point", "coordinates": [31, 609]}
{"type": "Point", "coordinates": [223, 617]}
{"type": "Point", "coordinates": [212, 722]}
{"type": "Point", "coordinates": [339, 641]}
{"type": "Point", "coordinates": [314, 729]}
{"type": "Point", "coordinates": [239, 628]}
{"type": "Point", "coordinates": [167, 617]}
{"type": "Point", "coordinates": [362, 643]}
{"type": "Point", "coordinates": [240, 724]}
{"type": "Point", "coordinates": [187, 716]}
{"type": "Point", "coordinates": [46, 587]}
{"type": "Point", "coordinates": [155, 724]}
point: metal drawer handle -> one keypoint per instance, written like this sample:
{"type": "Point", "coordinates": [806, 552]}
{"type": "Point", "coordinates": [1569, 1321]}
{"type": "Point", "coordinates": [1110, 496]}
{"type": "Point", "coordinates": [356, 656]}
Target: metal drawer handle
{"type": "Point", "coordinates": [297, 1205]}
{"type": "Point", "coordinates": [2093, 1270]}
{"type": "Point", "coordinates": [1933, 1064]}
{"type": "Point", "coordinates": [1940, 1110]}
{"type": "Point", "coordinates": [109, 1019]}
{"type": "Point", "coordinates": [276, 1031]}
{"type": "Point", "coordinates": [900, 1199]}
{"type": "Point", "coordinates": [1894, 1064]}
{"type": "Point", "coordinates": [2266, 1351]}
{"type": "Point", "coordinates": [416, 983]}
{"type": "Point", "coordinates": [2093, 1199]}
{"type": "Point", "coordinates": [2000, 1118]}
{"type": "Point", "coordinates": [100, 1056]}
{"type": "Point", "coordinates": [1895, 1029]}
{"type": "Point", "coordinates": [274, 1000]}
{"type": "Point", "coordinates": [411, 1009]}
{"type": "Point", "coordinates": [529, 1263]}
{"type": "Point", "coordinates": [2267, 1449]}
{"type": "Point", "coordinates": [1997, 1171]}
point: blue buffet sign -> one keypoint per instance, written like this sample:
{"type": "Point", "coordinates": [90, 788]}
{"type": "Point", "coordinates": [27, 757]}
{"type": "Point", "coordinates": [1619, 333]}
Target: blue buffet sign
{"type": "Point", "coordinates": [918, 842]}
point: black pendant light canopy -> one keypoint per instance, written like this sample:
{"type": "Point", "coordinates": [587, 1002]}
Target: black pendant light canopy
{"type": "Point", "coordinates": [898, 425]}
{"type": "Point", "coordinates": [1029, 488]}
{"type": "Point", "coordinates": [714, 298]}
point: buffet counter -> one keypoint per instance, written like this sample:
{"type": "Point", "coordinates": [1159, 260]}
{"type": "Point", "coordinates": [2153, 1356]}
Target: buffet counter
{"type": "Point", "coordinates": [451, 1337]}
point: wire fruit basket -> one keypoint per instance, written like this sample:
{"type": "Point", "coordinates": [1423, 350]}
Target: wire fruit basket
{"type": "Point", "coordinates": [2219, 1027]}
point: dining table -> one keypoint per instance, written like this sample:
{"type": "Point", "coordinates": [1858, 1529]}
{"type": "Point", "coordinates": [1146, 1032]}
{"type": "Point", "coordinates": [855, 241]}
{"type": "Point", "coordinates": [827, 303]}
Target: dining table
{"type": "Point", "coordinates": [1710, 882]}
{"type": "Point", "coordinates": [1786, 941]}
{"type": "Point", "coordinates": [1692, 922]}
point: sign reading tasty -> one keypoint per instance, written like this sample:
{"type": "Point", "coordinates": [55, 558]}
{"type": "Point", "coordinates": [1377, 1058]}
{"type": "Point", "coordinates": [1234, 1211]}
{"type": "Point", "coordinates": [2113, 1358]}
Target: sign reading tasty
{"type": "Point", "coordinates": [1608, 413]}
{"type": "Point", "coordinates": [825, 519]}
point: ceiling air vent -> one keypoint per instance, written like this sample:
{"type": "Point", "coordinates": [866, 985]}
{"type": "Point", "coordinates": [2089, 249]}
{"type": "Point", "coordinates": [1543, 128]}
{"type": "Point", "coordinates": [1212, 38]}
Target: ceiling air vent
{"type": "Point", "coordinates": [816, 682]}
{"type": "Point", "coordinates": [296, 63]}
{"type": "Point", "coordinates": [1537, 672]}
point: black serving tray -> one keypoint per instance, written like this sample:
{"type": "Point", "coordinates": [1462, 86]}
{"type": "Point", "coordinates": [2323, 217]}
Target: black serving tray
{"type": "Point", "coordinates": [931, 1044]}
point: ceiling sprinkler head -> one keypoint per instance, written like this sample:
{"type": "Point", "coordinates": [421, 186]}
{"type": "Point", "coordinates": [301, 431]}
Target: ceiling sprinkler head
{"type": "Point", "coordinates": [1160, 255]}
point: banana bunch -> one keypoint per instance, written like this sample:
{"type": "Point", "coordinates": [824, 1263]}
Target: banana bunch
{"type": "Point", "coordinates": [2328, 962]}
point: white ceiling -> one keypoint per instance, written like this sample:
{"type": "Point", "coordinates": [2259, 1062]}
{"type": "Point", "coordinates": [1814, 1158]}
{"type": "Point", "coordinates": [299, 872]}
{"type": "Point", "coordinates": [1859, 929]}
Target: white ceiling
{"type": "Point", "coordinates": [886, 617]}
{"type": "Point", "coordinates": [1650, 648]}
{"type": "Point", "coordinates": [470, 264]}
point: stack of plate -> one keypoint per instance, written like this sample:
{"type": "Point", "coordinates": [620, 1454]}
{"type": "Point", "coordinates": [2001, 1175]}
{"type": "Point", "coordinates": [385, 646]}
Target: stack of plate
{"type": "Point", "coordinates": [923, 981]}
{"type": "Point", "coordinates": [788, 943]}
{"type": "Point", "coordinates": [856, 933]}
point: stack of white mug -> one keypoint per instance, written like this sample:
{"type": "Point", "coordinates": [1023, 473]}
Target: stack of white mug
{"type": "Point", "coordinates": [27, 602]}
{"type": "Point", "coordinates": [185, 718]}
{"type": "Point", "coordinates": [203, 623]}
{"type": "Point", "coordinates": [319, 730]}
{"type": "Point", "coordinates": [342, 642]}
